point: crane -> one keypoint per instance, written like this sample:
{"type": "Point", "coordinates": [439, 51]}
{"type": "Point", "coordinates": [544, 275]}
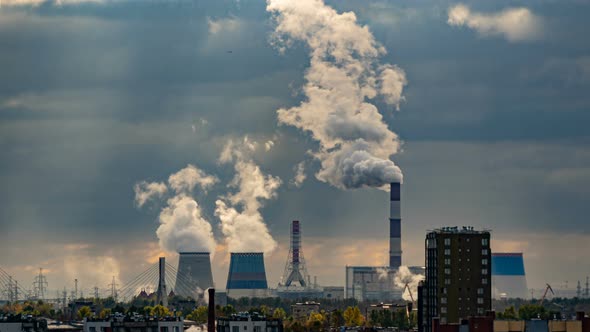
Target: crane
{"type": "Point", "coordinates": [547, 289]}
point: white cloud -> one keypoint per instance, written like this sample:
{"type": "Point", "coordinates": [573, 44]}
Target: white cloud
{"type": "Point", "coordinates": [300, 176]}
{"type": "Point", "coordinates": [515, 24]}
{"type": "Point", "coordinates": [40, 2]}
{"type": "Point", "coordinates": [228, 24]}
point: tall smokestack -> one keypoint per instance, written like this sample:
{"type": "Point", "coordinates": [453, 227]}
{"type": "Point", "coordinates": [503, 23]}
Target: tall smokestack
{"type": "Point", "coordinates": [194, 274]}
{"type": "Point", "coordinates": [162, 294]}
{"type": "Point", "coordinates": [395, 226]}
{"type": "Point", "coordinates": [211, 314]}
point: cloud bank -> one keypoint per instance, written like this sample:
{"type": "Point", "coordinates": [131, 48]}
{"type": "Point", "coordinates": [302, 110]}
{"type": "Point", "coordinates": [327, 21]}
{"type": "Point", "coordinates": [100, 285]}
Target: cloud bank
{"type": "Point", "coordinates": [355, 143]}
{"type": "Point", "coordinates": [514, 24]}
{"type": "Point", "coordinates": [242, 223]}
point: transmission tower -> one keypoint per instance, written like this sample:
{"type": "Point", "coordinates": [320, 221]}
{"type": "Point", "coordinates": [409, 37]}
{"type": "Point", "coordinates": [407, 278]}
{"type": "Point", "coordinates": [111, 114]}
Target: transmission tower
{"type": "Point", "coordinates": [295, 270]}
{"type": "Point", "coordinates": [96, 293]}
{"type": "Point", "coordinates": [40, 285]}
{"type": "Point", "coordinates": [113, 287]}
{"type": "Point", "coordinates": [579, 290]}
{"type": "Point", "coordinates": [64, 295]}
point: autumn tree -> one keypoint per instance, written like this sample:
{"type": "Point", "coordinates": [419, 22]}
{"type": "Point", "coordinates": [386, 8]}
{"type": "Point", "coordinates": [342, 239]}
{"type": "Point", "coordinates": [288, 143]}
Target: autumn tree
{"type": "Point", "coordinates": [84, 312]}
{"type": "Point", "coordinates": [279, 313]}
{"type": "Point", "coordinates": [199, 315]}
{"type": "Point", "coordinates": [160, 311]}
{"type": "Point", "coordinates": [353, 316]}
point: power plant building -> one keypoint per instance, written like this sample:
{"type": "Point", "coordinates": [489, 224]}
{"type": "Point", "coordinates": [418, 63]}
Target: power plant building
{"type": "Point", "coordinates": [194, 274]}
{"type": "Point", "coordinates": [508, 276]}
{"type": "Point", "coordinates": [376, 283]}
{"type": "Point", "coordinates": [247, 276]}
{"type": "Point", "coordinates": [458, 276]}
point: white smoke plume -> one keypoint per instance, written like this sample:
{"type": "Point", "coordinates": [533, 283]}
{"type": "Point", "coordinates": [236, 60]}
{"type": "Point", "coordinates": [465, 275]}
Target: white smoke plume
{"type": "Point", "coordinates": [383, 273]}
{"type": "Point", "coordinates": [182, 225]}
{"type": "Point", "coordinates": [145, 191]}
{"type": "Point", "coordinates": [355, 143]}
{"type": "Point", "coordinates": [404, 277]}
{"type": "Point", "coordinates": [242, 223]}
{"type": "Point", "coordinates": [515, 24]}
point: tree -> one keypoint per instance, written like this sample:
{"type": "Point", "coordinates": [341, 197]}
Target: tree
{"type": "Point", "coordinates": [336, 318]}
{"type": "Point", "coordinates": [279, 313]}
{"type": "Point", "coordinates": [529, 311]}
{"type": "Point", "coordinates": [84, 312]}
{"type": "Point", "coordinates": [228, 310]}
{"type": "Point", "coordinates": [353, 316]}
{"type": "Point", "coordinates": [315, 322]}
{"type": "Point", "coordinates": [160, 311]}
{"type": "Point", "coordinates": [199, 315]}
{"type": "Point", "coordinates": [509, 313]}
{"type": "Point", "coordinates": [104, 313]}
{"type": "Point", "coordinates": [147, 310]}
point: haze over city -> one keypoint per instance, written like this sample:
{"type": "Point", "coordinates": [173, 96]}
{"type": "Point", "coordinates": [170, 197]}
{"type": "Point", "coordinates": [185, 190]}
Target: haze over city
{"type": "Point", "coordinates": [131, 130]}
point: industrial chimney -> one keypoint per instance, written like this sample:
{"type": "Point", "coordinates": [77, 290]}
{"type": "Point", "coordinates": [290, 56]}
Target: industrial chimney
{"type": "Point", "coordinates": [247, 275]}
{"type": "Point", "coordinates": [395, 227]}
{"type": "Point", "coordinates": [194, 274]}
{"type": "Point", "coordinates": [211, 313]}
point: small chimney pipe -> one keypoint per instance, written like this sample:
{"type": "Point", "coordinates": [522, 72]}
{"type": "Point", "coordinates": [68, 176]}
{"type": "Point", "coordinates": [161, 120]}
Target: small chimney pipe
{"type": "Point", "coordinates": [211, 316]}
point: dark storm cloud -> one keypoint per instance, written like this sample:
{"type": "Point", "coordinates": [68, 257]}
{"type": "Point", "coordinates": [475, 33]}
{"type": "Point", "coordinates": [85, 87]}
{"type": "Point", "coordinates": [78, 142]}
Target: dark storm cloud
{"type": "Point", "coordinates": [96, 97]}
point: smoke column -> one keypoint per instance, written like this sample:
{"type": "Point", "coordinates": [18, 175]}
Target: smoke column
{"type": "Point", "coordinates": [344, 74]}
{"type": "Point", "coordinates": [182, 225]}
{"type": "Point", "coordinates": [242, 223]}
{"type": "Point", "coordinates": [404, 277]}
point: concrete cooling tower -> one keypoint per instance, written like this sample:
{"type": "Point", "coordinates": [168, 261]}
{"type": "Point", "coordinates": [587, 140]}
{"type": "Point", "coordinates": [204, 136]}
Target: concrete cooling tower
{"type": "Point", "coordinates": [194, 274]}
{"type": "Point", "coordinates": [508, 276]}
{"type": "Point", "coordinates": [247, 275]}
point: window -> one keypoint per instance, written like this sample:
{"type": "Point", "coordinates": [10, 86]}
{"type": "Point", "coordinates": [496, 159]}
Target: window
{"type": "Point", "coordinates": [443, 310]}
{"type": "Point", "coordinates": [176, 329]}
{"type": "Point", "coordinates": [447, 241]}
{"type": "Point", "coordinates": [245, 327]}
{"type": "Point", "coordinates": [102, 329]}
{"type": "Point", "coordinates": [484, 252]}
{"type": "Point", "coordinates": [480, 291]}
{"type": "Point", "coordinates": [480, 311]}
{"type": "Point", "coordinates": [448, 252]}
{"type": "Point", "coordinates": [447, 281]}
{"type": "Point", "coordinates": [257, 329]}
{"type": "Point", "coordinates": [484, 272]}
{"type": "Point", "coordinates": [443, 320]}
{"type": "Point", "coordinates": [164, 329]}
{"type": "Point", "coordinates": [479, 300]}
{"type": "Point", "coordinates": [447, 261]}
{"type": "Point", "coordinates": [92, 329]}
{"type": "Point", "coordinates": [443, 300]}
{"type": "Point", "coordinates": [484, 261]}
{"type": "Point", "coordinates": [484, 281]}
{"type": "Point", "coordinates": [468, 250]}
{"type": "Point", "coordinates": [235, 329]}
{"type": "Point", "coordinates": [447, 271]}
{"type": "Point", "coordinates": [444, 290]}
{"type": "Point", "coordinates": [484, 242]}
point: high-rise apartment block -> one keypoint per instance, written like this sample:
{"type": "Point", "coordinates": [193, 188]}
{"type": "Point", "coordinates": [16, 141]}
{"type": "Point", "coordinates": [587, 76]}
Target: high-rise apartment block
{"type": "Point", "coordinates": [458, 276]}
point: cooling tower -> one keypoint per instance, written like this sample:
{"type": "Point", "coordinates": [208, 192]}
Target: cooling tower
{"type": "Point", "coordinates": [508, 276]}
{"type": "Point", "coordinates": [247, 275]}
{"type": "Point", "coordinates": [395, 227]}
{"type": "Point", "coordinates": [194, 274]}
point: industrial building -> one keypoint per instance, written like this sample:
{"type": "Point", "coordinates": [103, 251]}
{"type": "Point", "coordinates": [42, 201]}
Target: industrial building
{"type": "Point", "coordinates": [376, 283]}
{"type": "Point", "coordinates": [508, 276]}
{"type": "Point", "coordinates": [194, 274]}
{"type": "Point", "coordinates": [300, 311]}
{"type": "Point", "coordinates": [458, 276]}
{"type": "Point", "coordinates": [247, 276]}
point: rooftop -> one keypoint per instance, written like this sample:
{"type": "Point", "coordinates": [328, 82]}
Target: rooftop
{"type": "Point", "coordinates": [459, 230]}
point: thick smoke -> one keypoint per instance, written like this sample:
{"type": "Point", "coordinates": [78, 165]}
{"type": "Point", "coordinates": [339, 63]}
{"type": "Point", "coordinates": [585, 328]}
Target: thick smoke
{"type": "Point", "coordinates": [404, 277]}
{"type": "Point", "coordinates": [344, 74]}
{"type": "Point", "coordinates": [242, 223]}
{"type": "Point", "coordinates": [182, 225]}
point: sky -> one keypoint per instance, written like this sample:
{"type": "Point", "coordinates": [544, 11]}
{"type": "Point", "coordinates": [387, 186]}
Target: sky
{"type": "Point", "coordinates": [486, 116]}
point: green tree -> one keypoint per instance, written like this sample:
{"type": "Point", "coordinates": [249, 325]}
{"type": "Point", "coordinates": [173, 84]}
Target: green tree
{"type": "Point", "coordinates": [228, 310]}
{"type": "Point", "coordinates": [147, 310]}
{"type": "Point", "coordinates": [336, 318]}
{"type": "Point", "coordinates": [84, 312]}
{"type": "Point", "coordinates": [199, 315]}
{"type": "Point", "coordinates": [160, 311]}
{"type": "Point", "coordinates": [509, 313]}
{"type": "Point", "coordinates": [529, 311]}
{"type": "Point", "coordinates": [279, 313]}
